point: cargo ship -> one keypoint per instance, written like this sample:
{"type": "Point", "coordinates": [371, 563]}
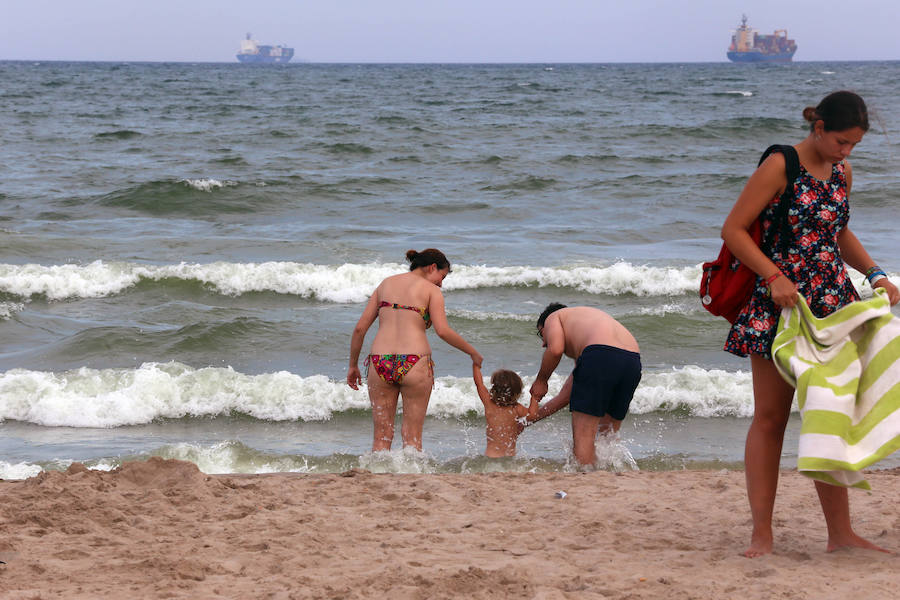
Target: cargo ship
{"type": "Point", "coordinates": [749, 46]}
{"type": "Point", "coordinates": [252, 52]}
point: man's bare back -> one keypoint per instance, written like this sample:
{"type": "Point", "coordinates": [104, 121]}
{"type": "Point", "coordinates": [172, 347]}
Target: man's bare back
{"type": "Point", "coordinates": [584, 326]}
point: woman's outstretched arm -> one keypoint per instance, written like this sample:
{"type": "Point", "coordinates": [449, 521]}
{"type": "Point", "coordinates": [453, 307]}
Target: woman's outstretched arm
{"type": "Point", "coordinates": [370, 313]}
{"type": "Point", "coordinates": [443, 329]}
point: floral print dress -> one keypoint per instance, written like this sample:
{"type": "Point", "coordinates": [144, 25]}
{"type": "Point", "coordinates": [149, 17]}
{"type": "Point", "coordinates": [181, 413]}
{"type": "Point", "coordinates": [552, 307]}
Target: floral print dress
{"type": "Point", "coordinates": [818, 213]}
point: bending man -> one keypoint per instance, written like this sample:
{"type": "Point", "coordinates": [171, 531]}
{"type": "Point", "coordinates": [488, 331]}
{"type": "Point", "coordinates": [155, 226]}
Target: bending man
{"type": "Point", "coordinates": [607, 371]}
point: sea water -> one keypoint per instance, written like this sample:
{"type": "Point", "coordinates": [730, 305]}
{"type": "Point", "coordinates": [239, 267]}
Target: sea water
{"type": "Point", "coordinates": [185, 248]}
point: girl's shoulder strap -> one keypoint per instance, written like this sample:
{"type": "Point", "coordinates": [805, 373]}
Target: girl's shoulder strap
{"type": "Point", "coordinates": [791, 160]}
{"type": "Point", "coordinates": [792, 171]}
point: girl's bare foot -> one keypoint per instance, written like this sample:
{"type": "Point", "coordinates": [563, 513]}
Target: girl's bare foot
{"type": "Point", "coordinates": [852, 541]}
{"type": "Point", "coordinates": [760, 544]}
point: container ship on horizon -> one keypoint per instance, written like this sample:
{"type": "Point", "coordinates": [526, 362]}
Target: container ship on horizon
{"type": "Point", "coordinates": [749, 46]}
{"type": "Point", "coordinates": [252, 52]}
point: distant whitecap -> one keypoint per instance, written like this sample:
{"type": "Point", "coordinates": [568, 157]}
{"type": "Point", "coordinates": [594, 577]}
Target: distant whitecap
{"type": "Point", "coordinates": [208, 185]}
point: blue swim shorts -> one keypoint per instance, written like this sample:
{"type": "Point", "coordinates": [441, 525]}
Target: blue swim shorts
{"type": "Point", "coordinates": [604, 381]}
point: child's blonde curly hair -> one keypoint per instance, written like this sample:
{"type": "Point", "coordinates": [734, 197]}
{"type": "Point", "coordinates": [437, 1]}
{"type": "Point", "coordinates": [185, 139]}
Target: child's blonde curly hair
{"type": "Point", "coordinates": [506, 387]}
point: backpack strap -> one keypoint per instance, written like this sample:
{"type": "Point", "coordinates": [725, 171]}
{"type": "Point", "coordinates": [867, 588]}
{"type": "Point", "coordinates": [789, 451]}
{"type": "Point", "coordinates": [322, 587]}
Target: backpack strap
{"type": "Point", "coordinates": [792, 171]}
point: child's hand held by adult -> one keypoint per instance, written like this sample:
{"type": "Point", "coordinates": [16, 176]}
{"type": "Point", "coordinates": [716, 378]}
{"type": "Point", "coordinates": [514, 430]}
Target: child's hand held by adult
{"type": "Point", "coordinates": [538, 390]}
{"type": "Point", "coordinates": [533, 408]}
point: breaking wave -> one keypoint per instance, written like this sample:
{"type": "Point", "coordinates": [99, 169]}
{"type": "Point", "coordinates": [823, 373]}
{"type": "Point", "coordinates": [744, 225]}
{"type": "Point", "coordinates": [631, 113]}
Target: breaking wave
{"type": "Point", "coordinates": [107, 398]}
{"type": "Point", "coordinates": [333, 283]}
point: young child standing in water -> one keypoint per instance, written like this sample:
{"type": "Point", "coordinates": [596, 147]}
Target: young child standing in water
{"type": "Point", "coordinates": [504, 415]}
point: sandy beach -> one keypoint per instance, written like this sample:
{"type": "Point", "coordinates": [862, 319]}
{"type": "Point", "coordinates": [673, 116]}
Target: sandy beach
{"type": "Point", "coordinates": [163, 529]}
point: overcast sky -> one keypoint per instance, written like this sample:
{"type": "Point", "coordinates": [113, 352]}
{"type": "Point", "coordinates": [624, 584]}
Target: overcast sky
{"type": "Point", "coordinates": [440, 30]}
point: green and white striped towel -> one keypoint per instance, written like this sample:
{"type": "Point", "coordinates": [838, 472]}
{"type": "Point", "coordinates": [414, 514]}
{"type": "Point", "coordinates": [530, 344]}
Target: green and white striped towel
{"type": "Point", "coordinates": [846, 369]}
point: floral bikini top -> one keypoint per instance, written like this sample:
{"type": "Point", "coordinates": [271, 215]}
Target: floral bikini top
{"type": "Point", "coordinates": [421, 311]}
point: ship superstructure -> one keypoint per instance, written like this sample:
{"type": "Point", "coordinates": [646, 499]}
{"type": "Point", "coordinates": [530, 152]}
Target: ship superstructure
{"type": "Point", "coordinates": [252, 52]}
{"type": "Point", "coordinates": [749, 46]}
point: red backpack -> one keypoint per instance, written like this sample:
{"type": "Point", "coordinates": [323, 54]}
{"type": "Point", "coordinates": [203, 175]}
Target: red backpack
{"type": "Point", "coordinates": [726, 285]}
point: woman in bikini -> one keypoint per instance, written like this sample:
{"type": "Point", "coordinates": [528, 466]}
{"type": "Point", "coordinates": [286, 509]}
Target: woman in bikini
{"type": "Point", "coordinates": [400, 363]}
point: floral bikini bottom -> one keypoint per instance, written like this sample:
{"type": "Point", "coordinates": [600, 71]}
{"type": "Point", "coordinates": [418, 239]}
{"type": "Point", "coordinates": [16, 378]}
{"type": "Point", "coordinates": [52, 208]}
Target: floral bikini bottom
{"type": "Point", "coordinates": [393, 367]}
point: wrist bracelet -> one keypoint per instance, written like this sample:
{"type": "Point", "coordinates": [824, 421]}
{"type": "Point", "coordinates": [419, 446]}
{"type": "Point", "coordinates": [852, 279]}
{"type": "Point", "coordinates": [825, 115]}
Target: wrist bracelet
{"type": "Point", "coordinates": [874, 275]}
{"type": "Point", "coordinates": [772, 278]}
{"type": "Point", "coordinates": [872, 269]}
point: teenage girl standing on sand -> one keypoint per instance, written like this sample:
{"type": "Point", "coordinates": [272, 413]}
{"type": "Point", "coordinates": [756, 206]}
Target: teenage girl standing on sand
{"type": "Point", "coordinates": [820, 241]}
{"type": "Point", "coordinates": [400, 363]}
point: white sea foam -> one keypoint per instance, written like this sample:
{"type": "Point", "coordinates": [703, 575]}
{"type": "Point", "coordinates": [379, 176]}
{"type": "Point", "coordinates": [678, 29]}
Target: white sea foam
{"type": "Point", "coordinates": [474, 315]}
{"type": "Point", "coordinates": [613, 454]}
{"type": "Point", "coordinates": [115, 397]}
{"type": "Point", "coordinates": [616, 279]}
{"type": "Point", "coordinates": [406, 460]}
{"type": "Point", "coordinates": [344, 283]}
{"type": "Point", "coordinates": [335, 283]}
{"type": "Point", "coordinates": [103, 465]}
{"type": "Point", "coordinates": [8, 308]}
{"type": "Point", "coordinates": [695, 391]}
{"type": "Point", "coordinates": [25, 470]}
{"type": "Point", "coordinates": [208, 185]}
{"type": "Point", "coordinates": [234, 457]}
{"type": "Point", "coordinates": [20, 470]}
{"type": "Point", "coordinates": [743, 93]}
{"type": "Point", "coordinates": [119, 397]}
{"type": "Point", "coordinates": [58, 282]}
{"type": "Point", "coordinates": [677, 308]}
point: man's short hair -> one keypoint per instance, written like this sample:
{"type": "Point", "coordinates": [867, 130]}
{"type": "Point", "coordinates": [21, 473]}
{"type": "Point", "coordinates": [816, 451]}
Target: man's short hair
{"type": "Point", "coordinates": [551, 308]}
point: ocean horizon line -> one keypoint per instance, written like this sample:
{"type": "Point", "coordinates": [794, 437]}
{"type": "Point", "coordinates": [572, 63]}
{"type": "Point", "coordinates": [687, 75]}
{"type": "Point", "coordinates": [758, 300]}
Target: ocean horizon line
{"type": "Point", "coordinates": [433, 63]}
